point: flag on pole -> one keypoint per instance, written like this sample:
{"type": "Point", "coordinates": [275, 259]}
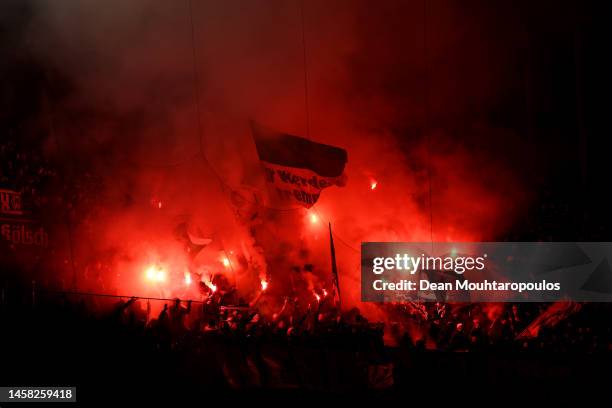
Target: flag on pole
{"type": "Point", "coordinates": [334, 267]}
{"type": "Point", "coordinates": [192, 244]}
{"type": "Point", "coordinates": [298, 168]}
{"type": "Point", "coordinates": [550, 317]}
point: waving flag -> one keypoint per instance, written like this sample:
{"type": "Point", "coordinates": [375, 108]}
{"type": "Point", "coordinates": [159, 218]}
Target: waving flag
{"type": "Point", "coordinates": [550, 317]}
{"type": "Point", "coordinates": [298, 168]}
{"type": "Point", "coordinates": [192, 244]}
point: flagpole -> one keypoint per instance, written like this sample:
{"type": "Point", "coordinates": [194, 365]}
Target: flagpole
{"type": "Point", "coordinates": [334, 267]}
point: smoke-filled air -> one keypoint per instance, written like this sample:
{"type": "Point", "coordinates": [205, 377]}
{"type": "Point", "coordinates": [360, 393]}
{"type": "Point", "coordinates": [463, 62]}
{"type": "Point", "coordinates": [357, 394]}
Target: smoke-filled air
{"type": "Point", "coordinates": [150, 103]}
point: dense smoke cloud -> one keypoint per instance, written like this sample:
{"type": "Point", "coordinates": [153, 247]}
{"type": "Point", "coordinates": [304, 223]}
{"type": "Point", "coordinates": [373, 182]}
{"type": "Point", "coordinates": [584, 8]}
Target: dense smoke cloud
{"type": "Point", "coordinates": [421, 115]}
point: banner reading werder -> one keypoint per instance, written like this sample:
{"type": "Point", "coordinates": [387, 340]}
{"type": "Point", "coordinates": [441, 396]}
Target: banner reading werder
{"type": "Point", "coordinates": [298, 169]}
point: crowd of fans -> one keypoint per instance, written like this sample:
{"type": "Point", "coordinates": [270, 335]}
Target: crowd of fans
{"type": "Point", "coordinates": [415, 326]}
{"type": "Point", "coordinates": [203, 342]}
{"type": "Point", "coordinates": [24, 170]}
{"type": "Point", "coordinates": [238, 347]}
{"type": "Point", "coordinates": [47, 190]}
{"type": "Point", "coordinates": [230, 345]}
{"type": "Point", "coordinates": [505, 326]}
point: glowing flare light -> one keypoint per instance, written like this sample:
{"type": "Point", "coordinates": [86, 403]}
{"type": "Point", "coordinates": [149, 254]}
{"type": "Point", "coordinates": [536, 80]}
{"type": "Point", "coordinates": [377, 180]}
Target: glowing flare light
{"type": "Point", "coordinates": [226, 262]}
{"type": "Point", "coordinates": [155, 273]}
{"type": "Point", "coordinates": [211, 286]}
{"type": "Point", "coordinates": [313, 218]}
{"type": "Point", "coordinates": [264, 285]}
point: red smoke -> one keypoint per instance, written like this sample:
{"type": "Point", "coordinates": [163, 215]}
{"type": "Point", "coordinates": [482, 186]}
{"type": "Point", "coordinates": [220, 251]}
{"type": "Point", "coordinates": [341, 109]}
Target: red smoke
{"type": "Point", "coordinates": [175, 147]}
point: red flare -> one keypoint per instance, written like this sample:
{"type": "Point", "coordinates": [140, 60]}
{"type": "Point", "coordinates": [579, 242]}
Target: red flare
{"type": "Point", "coordinates": [155, 273]}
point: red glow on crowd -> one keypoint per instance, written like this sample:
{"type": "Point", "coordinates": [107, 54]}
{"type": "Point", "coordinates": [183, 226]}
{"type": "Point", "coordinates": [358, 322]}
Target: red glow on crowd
{"type": "Point", "coordinates": [210, 285]}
